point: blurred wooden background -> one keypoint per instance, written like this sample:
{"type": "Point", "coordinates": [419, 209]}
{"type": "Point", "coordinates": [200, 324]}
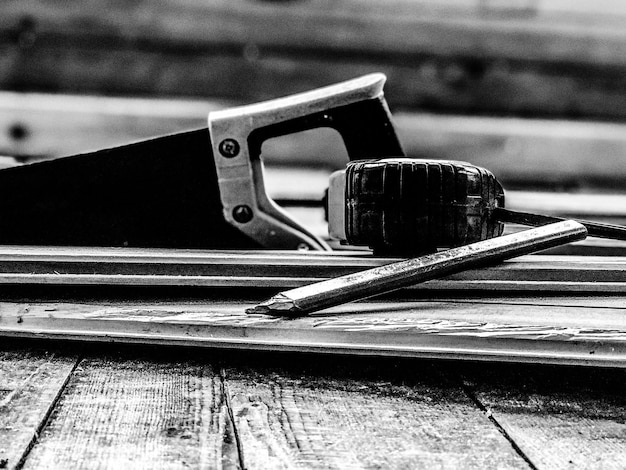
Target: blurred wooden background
{"type": "Point", "coordinates": [533, 89]}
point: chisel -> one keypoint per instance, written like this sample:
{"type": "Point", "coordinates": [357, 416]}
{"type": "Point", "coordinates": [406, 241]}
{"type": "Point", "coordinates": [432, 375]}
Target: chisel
{"type": "Point", "coordinates": [394, 276]}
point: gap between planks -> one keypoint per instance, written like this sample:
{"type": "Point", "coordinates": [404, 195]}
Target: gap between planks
{"type": "Point", "coordinates": [36, 381]}
{"type": "Point", "coordinates": [497, 424]}
{"type": "Point", "coordinates": [541, 412]}
{"type": "Point", "coordinates": [291, 419]}
{"type": "Point", "coordinates": [144, 411]}
{"type": "Point", "coordinates": [290, 411]}
{"type": "Point", "coordinates": [560, 418]}
{"type": "Point", "coordinates": [148, 412]}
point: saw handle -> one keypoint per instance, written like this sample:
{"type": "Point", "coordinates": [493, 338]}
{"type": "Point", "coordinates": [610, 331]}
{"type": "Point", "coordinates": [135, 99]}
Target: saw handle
{"type": "Point", "coordinates": [356, 109]}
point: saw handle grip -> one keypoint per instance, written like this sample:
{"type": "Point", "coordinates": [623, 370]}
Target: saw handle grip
{"type": "Point", "coordinates": [356, 109]}
{"type": "Point", "coordinates": [365, 128]}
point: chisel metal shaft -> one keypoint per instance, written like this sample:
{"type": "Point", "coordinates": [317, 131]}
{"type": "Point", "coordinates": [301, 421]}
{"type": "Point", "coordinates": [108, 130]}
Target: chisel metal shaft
{"type": "Point", "coordinates": [395, 276]}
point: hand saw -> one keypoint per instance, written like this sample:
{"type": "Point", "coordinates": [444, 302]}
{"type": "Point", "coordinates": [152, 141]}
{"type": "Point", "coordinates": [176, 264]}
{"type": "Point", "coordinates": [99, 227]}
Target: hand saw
{"type": "Point", "coordinates": [196, 189]}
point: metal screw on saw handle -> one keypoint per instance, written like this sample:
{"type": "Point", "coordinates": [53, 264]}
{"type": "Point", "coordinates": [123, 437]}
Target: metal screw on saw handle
{"type": "Point", "coordinates": [242, 214]}
{"type": "Point", "coordinates": [229, 148]}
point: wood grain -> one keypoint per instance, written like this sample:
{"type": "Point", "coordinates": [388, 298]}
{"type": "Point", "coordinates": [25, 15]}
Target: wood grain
{"type": "Point", "coordinates": [535, 58]}
{"type": "Point", "coordinates": [288, 418]}
{"type": "Point", "coordinates": [144, 409]}
{"type": "Point", "coordinates": [31, 381]}
{"type": "Point", "coordinates": [138, 413]}
{"type": "Point", "coordinates": [559, 418]}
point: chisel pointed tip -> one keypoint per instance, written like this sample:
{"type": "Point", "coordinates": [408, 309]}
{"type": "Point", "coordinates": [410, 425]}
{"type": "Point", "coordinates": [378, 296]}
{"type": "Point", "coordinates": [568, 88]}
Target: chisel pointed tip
{"type": "Point", "coordinates": [277, 305]}
{"type": "Point", "coordinates": [262, 309]}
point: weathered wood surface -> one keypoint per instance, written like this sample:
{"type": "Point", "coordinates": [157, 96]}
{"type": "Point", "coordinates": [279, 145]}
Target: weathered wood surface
{"type": "Point", "coordinates": [587, 330]}
{"type": "Point", "coordinates": [541, 152]}
{"type": "Point", "coordinates": [552, 417]}
{"type": "Point", "coordinates": [150, 408]}
{"type": "Point", "coordinates": [539, 58]}
{"type": "Point", "coordinates": [30, 384]}
{"type": "Point", "coordinates": [341, 418]}
{"type": "Point", "coordinates": [139, 413]}
{"type": "Point", "coordinates": [557, 418]}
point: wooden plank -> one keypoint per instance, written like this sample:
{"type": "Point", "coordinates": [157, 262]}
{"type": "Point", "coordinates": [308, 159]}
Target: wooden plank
{"type": "Point", "coordinates": [558, 418]}
{"type": "Point", "coordinates": [516, 150]}
{"type": "Point", "coordinates": [523, 89]}
{"type": "Point", "coordinates": [45, 125]}
{"type": "Point", "coordinates": [533, 152]}
{"type": "Point", "coordinates": [572, 33]}
{"type": "Point", "coordinates": [539, 58]}
{"type": "Point", "coordinates": [558, 330]}
{"type": "Point", "coordinates": [139, 413]}
{"type": "Point", "coordinates": [84, 266]}
{"type": "Point", "coordinates": [344, 417]}
{"type": "Point", "coordinates": [31, 382]}
{"type": "Point", "coordinates": [571, 204]}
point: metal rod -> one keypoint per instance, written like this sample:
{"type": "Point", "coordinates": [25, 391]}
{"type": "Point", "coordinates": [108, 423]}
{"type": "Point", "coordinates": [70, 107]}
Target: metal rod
{"type": "Point", "coordinates": [404, 273]}
{"type": "Point", "coordinates": [33, 265]}
{"type": "Point", "coordinates": [595, 229]}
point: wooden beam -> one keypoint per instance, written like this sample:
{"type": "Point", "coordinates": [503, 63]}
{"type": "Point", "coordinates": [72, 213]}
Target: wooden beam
{"type": "Point", "coordinates": [560, 29]}
{"type": "Point", "coordinates": [533, 58]}
{"type": "Point", "coordinates": [519, 151]}
{"type": "Point", "coordinates": [570, 204]}
{"type": "Point", "coordinates": [533, 152]}
{"type": "Point", "coordinates": [573, 330]}
{"type": "Point", "coordinates": [46, 125]}
{"type": "Point", "coordinates": [570, 32]}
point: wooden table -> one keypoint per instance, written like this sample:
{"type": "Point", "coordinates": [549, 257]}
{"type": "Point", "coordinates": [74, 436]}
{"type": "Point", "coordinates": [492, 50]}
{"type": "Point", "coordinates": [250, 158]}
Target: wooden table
{"type": "Point", "coordinates": [69, 405]}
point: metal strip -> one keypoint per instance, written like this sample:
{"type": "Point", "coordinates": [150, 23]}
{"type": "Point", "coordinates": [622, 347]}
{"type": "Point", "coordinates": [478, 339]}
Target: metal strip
{"type": "Point", "coordinates": [148, 267]}
{"type": "Point", "coordinates": [558, 331]}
